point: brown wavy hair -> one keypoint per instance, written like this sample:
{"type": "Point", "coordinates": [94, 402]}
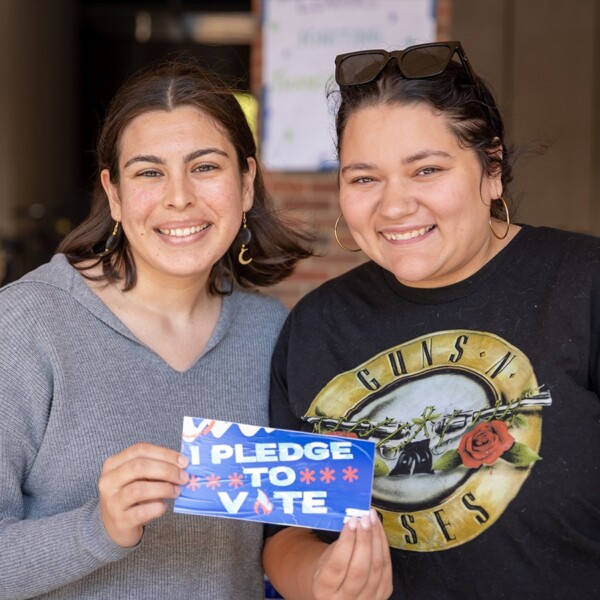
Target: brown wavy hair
{"type": "Point", "coordinates": [277, 244]}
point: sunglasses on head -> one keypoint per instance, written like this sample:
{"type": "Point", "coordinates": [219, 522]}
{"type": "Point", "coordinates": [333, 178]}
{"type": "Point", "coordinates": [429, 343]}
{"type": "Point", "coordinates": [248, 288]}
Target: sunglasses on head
{"type": "Point", "coordinates": [414, 62]}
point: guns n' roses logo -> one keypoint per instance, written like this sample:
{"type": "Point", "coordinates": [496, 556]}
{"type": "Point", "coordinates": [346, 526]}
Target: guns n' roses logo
{"type": "Point", "coordinates": [457, 421]}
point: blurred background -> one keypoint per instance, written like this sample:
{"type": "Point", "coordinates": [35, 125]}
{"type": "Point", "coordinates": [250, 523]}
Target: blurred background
{"type": "Point", "coordinates": [62, 60]}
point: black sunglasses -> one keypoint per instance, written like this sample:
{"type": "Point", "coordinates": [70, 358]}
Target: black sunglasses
{"type": "Point", "coordinates": [414, 62]}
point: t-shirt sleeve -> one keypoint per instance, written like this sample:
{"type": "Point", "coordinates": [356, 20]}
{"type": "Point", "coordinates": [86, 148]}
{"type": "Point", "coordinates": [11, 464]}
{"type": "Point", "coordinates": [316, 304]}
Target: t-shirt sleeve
{"type": "Point", "coordinates": [281, 414]}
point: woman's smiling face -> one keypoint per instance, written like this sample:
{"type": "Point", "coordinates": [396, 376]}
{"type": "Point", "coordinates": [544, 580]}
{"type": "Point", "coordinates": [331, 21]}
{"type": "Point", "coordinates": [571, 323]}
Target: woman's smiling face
{"type": "Point", "coordinates": [416, 202]}
{"type": "Point", "coordinates": [180, 193]}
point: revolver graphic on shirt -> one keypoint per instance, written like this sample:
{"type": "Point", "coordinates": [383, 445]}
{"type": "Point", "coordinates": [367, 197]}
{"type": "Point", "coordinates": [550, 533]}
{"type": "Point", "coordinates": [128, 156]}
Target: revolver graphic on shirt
{"type": "Point", "coordinates": [440, 430]}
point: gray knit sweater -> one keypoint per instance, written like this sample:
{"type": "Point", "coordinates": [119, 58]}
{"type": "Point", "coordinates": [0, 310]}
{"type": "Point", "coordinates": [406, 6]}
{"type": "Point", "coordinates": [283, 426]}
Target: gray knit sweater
{"type": "Point", "coordinates": [77, 387]}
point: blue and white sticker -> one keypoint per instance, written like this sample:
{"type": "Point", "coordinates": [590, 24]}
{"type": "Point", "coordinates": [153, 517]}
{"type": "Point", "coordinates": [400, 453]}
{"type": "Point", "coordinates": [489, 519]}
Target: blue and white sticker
{"type": "Point", "coordinates": [274, 475]}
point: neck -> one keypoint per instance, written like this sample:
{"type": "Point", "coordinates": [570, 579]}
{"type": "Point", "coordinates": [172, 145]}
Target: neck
{"type": "Point", "coordinates": [173, 316]}
{"type": "Point", "coordinates": [180, 297]}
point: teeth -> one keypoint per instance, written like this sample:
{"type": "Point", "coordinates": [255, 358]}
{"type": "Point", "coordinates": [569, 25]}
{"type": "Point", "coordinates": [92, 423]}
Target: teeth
{"type": "Point", "coordinates": [183, 232]}
{"type": "Point", "coordinates": [408, 235]}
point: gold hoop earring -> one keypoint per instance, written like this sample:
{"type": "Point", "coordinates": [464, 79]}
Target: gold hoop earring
{"type": "Point", "coordinates": [337, 239]}
{"type": "Point", "coordinates": [501, 237]}
{"type": "Point", "coordinates": [111, 242]}
{"type": "Point", "coordinates": [245, 236]}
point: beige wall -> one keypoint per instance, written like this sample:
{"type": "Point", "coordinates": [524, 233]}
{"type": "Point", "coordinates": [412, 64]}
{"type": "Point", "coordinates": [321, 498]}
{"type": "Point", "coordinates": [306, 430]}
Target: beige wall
{"type": "Point", "coordinates": [542, 58]}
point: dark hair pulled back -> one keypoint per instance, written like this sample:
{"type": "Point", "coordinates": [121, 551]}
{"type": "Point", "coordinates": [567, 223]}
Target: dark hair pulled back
{"type": "Point", "coordinates": [470, 108]}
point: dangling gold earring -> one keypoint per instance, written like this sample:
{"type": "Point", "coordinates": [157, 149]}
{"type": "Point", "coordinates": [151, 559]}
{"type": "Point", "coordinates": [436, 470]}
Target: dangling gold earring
{"type": "Point", "coordinates": [245, 236]}
{"type": "Point", "coordinates": [337, 239]}
{"type": "Point", "coordinates": [111, 242]}
{"type": "Point", "coordinates": [501, 237]}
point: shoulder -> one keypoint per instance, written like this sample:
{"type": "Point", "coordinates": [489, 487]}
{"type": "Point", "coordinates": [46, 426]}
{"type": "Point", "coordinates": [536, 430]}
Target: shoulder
{"type": "Point", "coordinates": [57, 273]}
{"type": "Point", "coordinates": [345, 299]}
{"type": "Point", "coordinates": [564, 263]}
{"type": "Point", "coordinates": [32, 310]}
{"type": "Point", "coordinates": [353, 287]}
{"type": "Point", "coordinates": [259, 302]}
{"type": "Point", "coordinates": [258, 310]}
{"type": "Point", "coordinates": [558, 241]}
{"type": "Point", "coordinates": [40, 287]}
{"type": "Point", "coordinates": [574, 255]}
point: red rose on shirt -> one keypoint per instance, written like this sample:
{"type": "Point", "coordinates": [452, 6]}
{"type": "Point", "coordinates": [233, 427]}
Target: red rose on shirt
{"type": "Point", "coordinates": [484, 444]}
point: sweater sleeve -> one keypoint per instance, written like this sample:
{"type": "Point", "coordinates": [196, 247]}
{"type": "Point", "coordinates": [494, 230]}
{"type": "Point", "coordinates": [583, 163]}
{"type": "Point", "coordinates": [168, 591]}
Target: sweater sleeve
{"type": "Point", "coordinates": [40, 552]}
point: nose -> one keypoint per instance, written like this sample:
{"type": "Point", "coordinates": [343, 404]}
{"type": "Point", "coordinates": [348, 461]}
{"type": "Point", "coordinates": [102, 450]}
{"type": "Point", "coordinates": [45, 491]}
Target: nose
{"type": "Point", "coordinates": [396, 200]}
{"type": "Point", "coordinates": [180, 193]}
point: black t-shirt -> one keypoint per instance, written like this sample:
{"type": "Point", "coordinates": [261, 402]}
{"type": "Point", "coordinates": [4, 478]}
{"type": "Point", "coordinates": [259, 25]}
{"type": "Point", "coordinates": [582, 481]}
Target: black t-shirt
{"type": "Point", "coordinates": [483, 398]}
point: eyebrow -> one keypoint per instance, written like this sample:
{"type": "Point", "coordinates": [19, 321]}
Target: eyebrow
{"type": "Point", "coordinates": [202, 152]}
{"type": "Point", "coordinates": [424, 154]}
{"type": "Point", "coordinates": [361, 166]}
{"type": "Point", "coordinates": [357, 167]}
{"type": "Point", "coordinates": [187, 158]}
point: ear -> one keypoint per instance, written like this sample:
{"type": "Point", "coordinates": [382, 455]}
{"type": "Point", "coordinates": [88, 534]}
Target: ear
{"type": "Point", "coordinates": [248, 185]}
{"type": "Point", "coordinates": [112, 193]}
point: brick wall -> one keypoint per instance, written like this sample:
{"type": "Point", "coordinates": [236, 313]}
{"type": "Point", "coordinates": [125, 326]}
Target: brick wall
{"type": "Point", "coordinates": [312, 198]}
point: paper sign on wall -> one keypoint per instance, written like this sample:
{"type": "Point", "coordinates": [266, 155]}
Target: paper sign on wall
{"type": "Point", "coordinates": [300, 41]}
{"type": "Point", "coordinates": [274, 475]}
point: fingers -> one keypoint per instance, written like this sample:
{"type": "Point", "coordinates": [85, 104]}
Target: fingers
{"type": "Point", "coordinates": [146, 451]}
{"type": "Point", "coordinates": [358, 565]}
{"type": "Point", "coordinates": [382, 561]}
{"type": "Point", "coordinates": [133, 486]}
{"type": "Point", "coordinates": [360, 578]}
{"type": "Point", "coordinates": [332, 568]}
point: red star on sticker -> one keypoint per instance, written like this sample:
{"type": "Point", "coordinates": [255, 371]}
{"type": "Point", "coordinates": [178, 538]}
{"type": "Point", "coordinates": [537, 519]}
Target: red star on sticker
{"type": "Point", "coordinates": [236, 480]}
{"type": "Point", "coordinates": [213, 481]}
{"type": "Point", "coordinates": [193, 483]}
{"type": "Point", "coordinates": [307, 476]}
{"type": "Point", "coordinates": [350, 474]}
{"type": "Point", "coordinates": [327, 475]}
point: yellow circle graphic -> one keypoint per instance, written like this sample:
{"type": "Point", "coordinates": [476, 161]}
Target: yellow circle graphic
{"type": "Point", "coordinates": [456, 416]}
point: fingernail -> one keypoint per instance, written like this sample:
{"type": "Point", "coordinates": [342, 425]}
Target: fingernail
{"type": "Point", "coordinates": [353, 524]}
{"type": "Point", "coordinates": [365, 522]}
{"type": "Point", "coordinates": [183, 476]}
{"type": "Point", "coordinates": [183, 461]}
{"type": "Point", "coordinates": [373, 516]}
{"type": "Point", "coordinates": [177, 489]}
